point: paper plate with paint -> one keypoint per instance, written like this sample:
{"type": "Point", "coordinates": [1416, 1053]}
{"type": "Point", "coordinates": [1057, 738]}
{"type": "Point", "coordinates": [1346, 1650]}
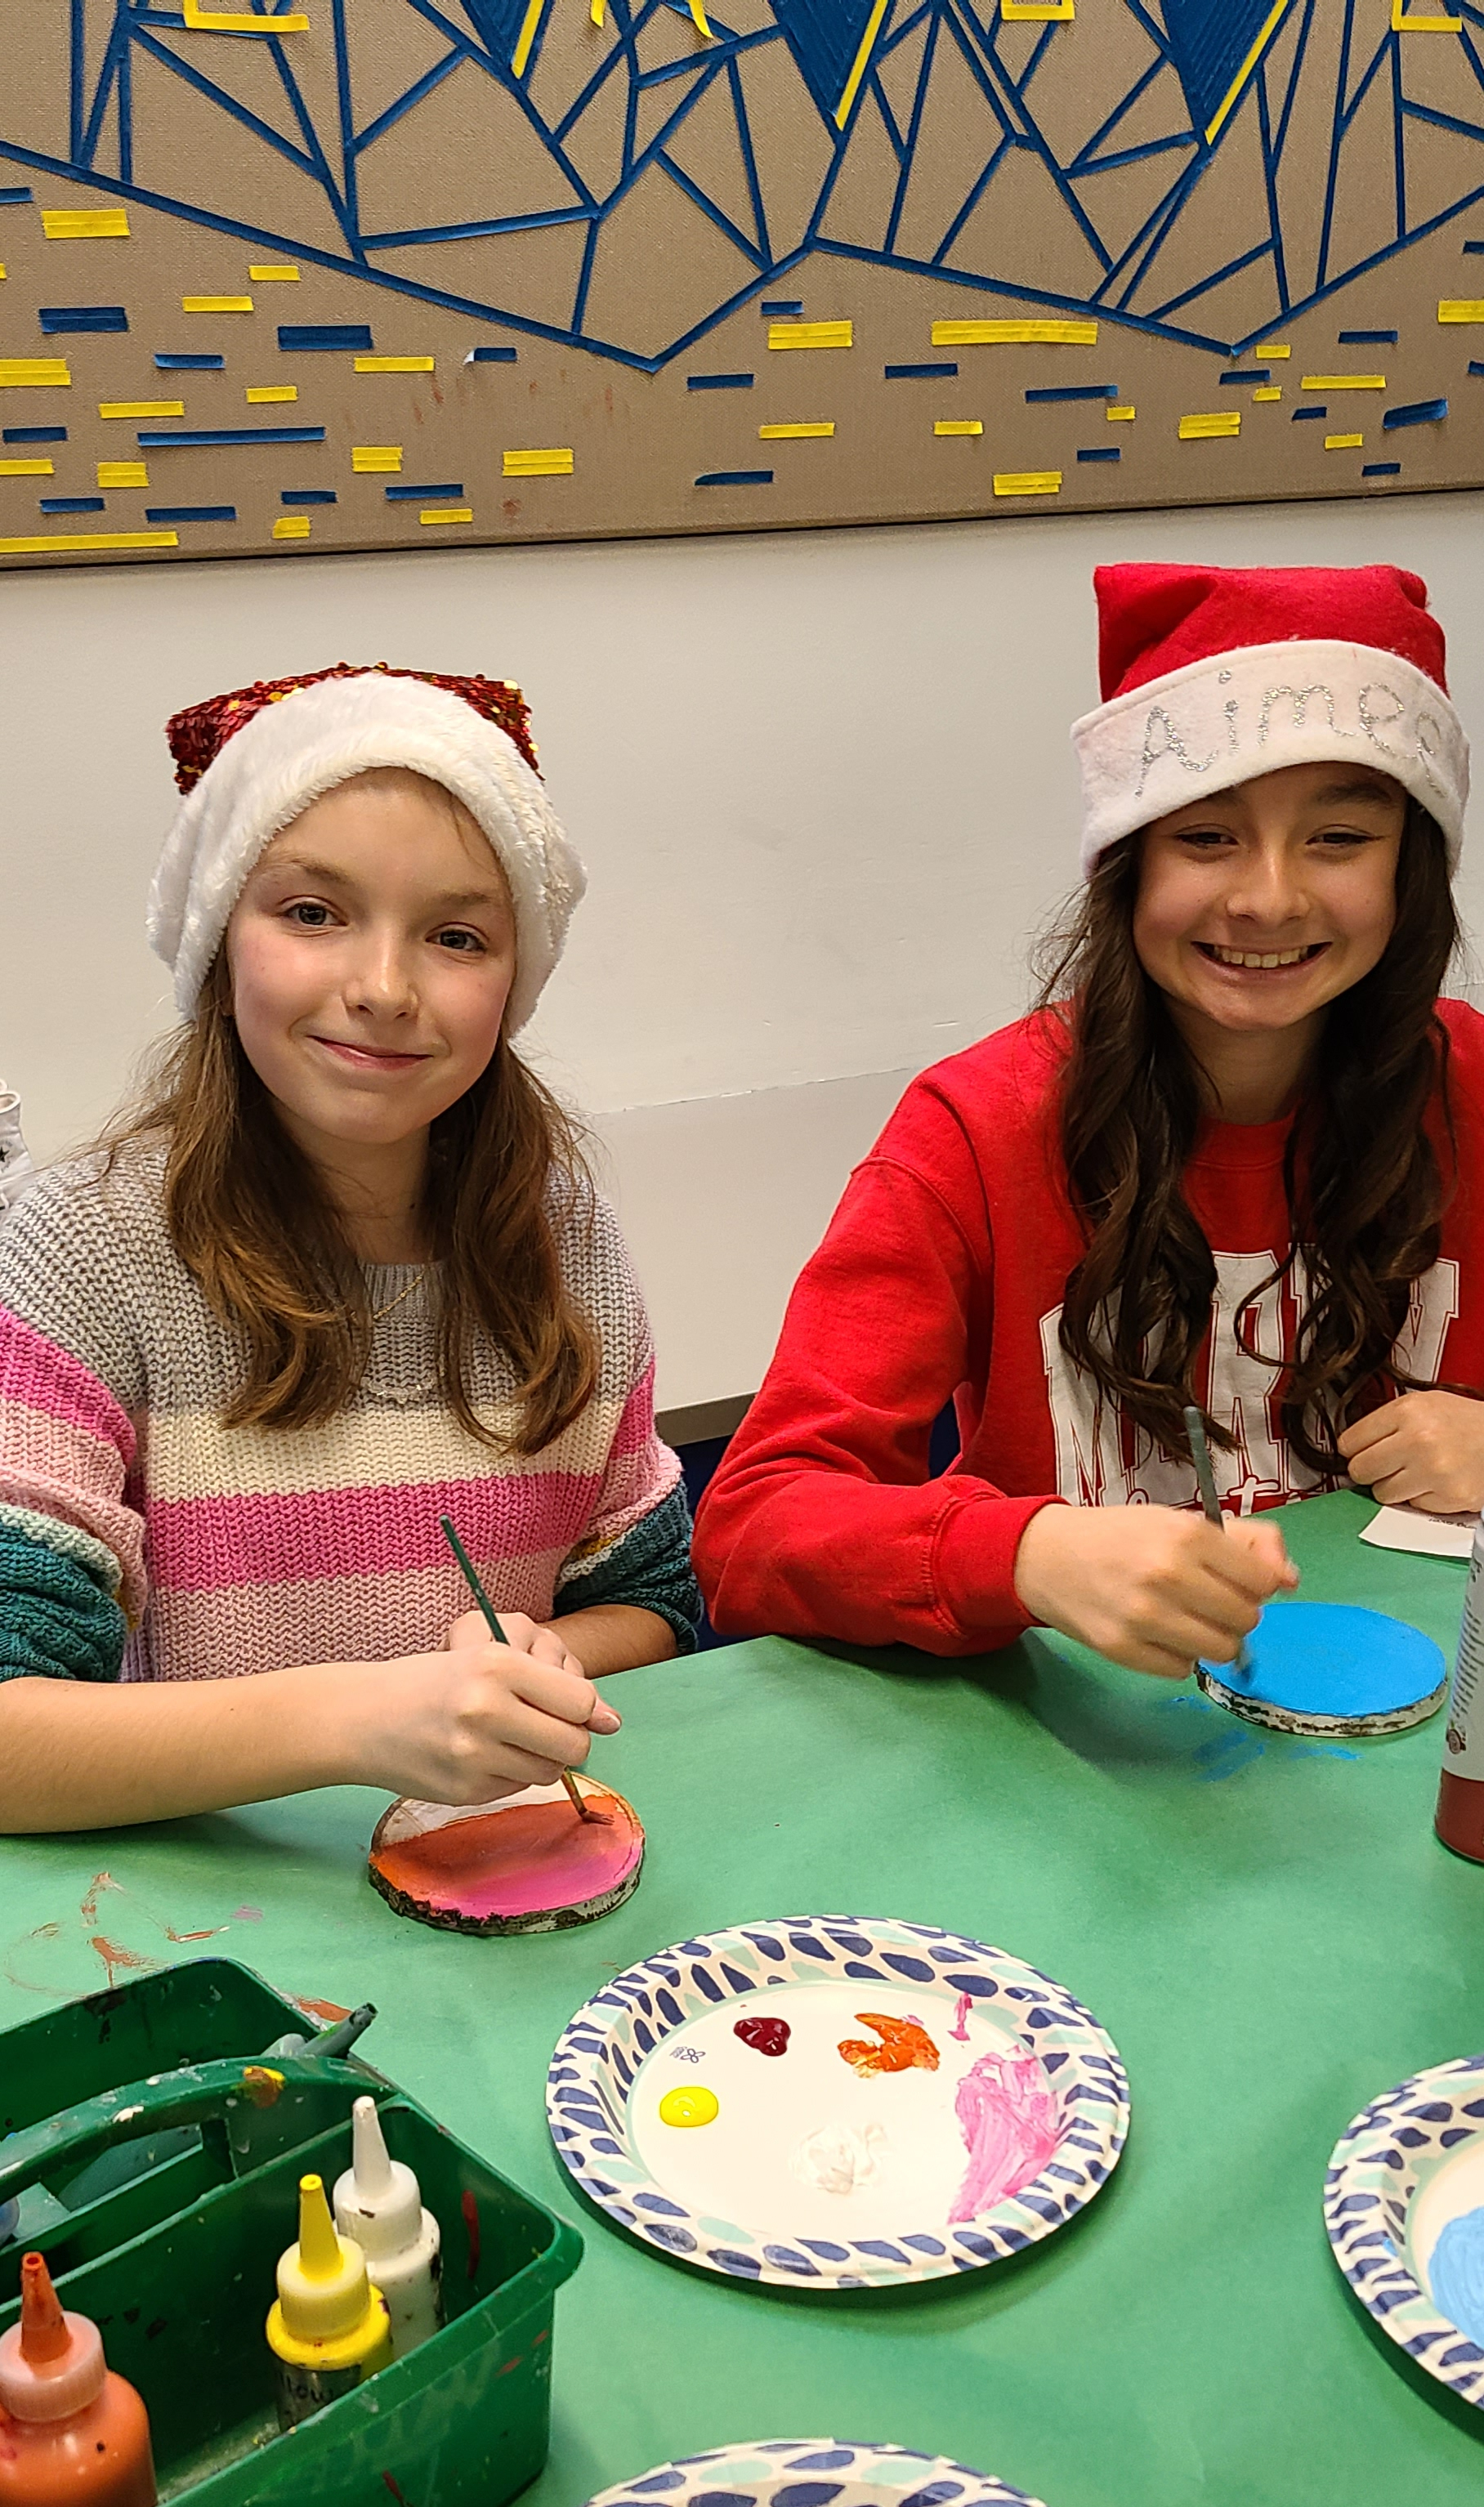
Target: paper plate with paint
{"type": "Point", "coordinates": [1331, 1667]}
{"type": "Point", "coordinates": [813, 2472]}
{"type": "Point", "coordinates": [837, 2100]}
{"type": "Point", "coordinates": [1405, 2209]}
{"type": "Point", "coordinates": [524, 1865]}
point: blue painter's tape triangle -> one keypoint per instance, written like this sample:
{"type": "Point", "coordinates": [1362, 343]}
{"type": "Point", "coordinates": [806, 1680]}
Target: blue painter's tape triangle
{"type": "Point", "coordinates": [1212, 43]}
{"type": "Point", "coordinates": [497, 24]}
{"type": "Point", "coordinates": [824, 37]}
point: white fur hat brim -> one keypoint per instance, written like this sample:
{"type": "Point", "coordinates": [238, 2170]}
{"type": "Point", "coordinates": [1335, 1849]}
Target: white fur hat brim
{"type": "Point", "coordinates": [309, 743]}
{"type": "Point", "coordinates": [1237, 714]}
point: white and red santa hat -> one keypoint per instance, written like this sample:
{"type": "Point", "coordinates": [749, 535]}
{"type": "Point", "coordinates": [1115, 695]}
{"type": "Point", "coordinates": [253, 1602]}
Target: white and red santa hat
{"type": "Point", "coordinates": [250, 761]}
{"type": "Point", "coordinates": [1213, 674]}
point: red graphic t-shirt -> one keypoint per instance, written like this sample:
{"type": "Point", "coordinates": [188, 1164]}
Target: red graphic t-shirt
{"type": "Point", "coordinates": [942, 1277]}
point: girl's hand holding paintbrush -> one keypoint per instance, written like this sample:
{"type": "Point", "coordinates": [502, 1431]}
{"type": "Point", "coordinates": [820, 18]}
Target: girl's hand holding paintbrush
{"type": "Point", "coordinates": [1152, 1586]}
{"type": "Point", "coordinates": [477, 1720]}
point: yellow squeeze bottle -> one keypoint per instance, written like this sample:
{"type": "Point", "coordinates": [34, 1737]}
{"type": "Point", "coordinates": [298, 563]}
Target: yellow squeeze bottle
{"type": "Point", "coordinates": [329, 2328]}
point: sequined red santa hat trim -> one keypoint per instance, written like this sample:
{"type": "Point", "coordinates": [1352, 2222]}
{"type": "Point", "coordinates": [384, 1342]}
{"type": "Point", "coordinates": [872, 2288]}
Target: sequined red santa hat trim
{"type": "Point", "coordinates": [197, 732]}
{"type": "Point", "coordinates": [1215, 674]}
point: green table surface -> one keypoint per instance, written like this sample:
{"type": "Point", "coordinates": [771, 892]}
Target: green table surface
{"type": "Point", "coordinates": [1266, 1926]}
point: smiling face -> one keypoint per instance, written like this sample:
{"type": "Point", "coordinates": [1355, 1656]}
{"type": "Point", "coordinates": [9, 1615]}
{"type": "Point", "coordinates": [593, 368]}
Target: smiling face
{"type": "Point", "coordinates": [1260, 905]}
{"type": "Point", "coordinates": [371, 953]}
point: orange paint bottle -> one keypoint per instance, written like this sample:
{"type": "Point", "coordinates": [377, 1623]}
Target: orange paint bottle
{"type": "Point", "coordinates": [72, 2434]}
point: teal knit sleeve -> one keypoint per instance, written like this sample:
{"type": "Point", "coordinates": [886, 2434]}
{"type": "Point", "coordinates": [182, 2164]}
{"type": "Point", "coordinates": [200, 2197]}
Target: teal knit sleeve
{"type": "Point", "coordinates": [649, 1567]}
{"type": "Point", "coordinates": [58, 1616]}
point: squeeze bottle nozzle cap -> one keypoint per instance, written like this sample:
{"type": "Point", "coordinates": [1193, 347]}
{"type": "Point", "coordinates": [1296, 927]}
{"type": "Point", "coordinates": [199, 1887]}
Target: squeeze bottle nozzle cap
{"type": "Point", "coordinates": [323, 2286]}
{"type": "Point", "coordinates": [377, 2202]}
{"type": "Point", "coordinates": [51, 2362]}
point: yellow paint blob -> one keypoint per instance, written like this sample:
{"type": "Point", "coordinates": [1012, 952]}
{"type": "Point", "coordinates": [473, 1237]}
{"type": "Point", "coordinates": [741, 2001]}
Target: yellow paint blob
{"type": "Point", "coordinates": [687, 2107]}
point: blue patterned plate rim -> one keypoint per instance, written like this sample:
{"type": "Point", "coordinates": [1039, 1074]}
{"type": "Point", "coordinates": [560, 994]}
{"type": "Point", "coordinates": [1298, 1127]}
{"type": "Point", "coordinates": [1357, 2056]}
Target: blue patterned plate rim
{"type": "Point", "coordinates": [1368, 2187]}
{"type": "Point", "coordinates": [885, 2476]}
{"type": "Point", "coordinates": [603, 2046]}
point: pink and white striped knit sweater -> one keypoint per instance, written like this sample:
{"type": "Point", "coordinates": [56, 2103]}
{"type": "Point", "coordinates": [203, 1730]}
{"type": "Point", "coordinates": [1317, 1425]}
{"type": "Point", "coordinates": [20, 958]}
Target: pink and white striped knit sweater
{"type": "Point", "coordinates": [139, 1536]}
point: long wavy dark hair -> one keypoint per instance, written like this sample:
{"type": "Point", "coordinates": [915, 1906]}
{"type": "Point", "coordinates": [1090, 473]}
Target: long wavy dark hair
{"type": "Point", "coordinates": [1366, 1189]}
{"type": "Point", "coordinates": [251, 1219]}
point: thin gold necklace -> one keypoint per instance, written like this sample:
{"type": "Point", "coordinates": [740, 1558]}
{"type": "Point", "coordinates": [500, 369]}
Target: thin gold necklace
{"type": "Point", "coordinates": [380, 1313]}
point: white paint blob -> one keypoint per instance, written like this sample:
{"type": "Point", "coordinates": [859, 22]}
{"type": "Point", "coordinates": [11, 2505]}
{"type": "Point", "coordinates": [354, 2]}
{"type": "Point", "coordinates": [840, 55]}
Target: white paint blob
{"type": "Point", "coordinates": [838, 2158]}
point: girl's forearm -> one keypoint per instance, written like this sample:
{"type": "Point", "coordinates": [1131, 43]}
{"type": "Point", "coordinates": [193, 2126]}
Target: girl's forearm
{"type": "Point", "coordinates": [615, 1636]}
{"type": "Point", "coordinates": [77, 1755]}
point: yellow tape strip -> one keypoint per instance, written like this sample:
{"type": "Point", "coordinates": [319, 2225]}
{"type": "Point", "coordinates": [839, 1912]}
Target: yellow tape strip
{"type": "Point", "coordinates": [376, 456]}
{"type": "Point", "coordinates": [1265, 35]}
{"type": "Point", "coordinates": [858, 66]}
{"type": "Point", "coordinates": [259, 392]}
{"type": "Point", "coordinates": [810, 335]}
{"type": "Point", "coordinates": [1273, 351]}
{"type": "Point", "coordinates": [1342, 383]}
{"type": "Point", "coordinates": [803, 426]}
{"type": "Point", "coordinates": [1402, 24]}
{"type": "Point", "coordinates": [271, 269]}
{"type": "Point", "coordinates": [698, 12]}
{"type": "Point", "coordinates": [27, 469]}
{"type": "Point", "coordinates": [526, 36]}
{"type": "Point", "coordinates": [553, 463]}
{"type": "Point", "coordinates": [124, 474]}
{"type": "Point", "coordinates": [1028, 483]}
{"type": "Point", "coordinates": [1342, 442]}
{"type": "Point", "coordinates": [141, 409]}
{"type": "Point", "coordinates": [1056, 11]}
{"type": "Point", "coordinates": [81, 540]}
{"type": "Point", "coordinates": [394, 365]}
{"type": "Point", "coordinates": [1214, 421]}
{"type": "Point", "coordinates": [292, 526]}
{"type": "Point", "coordinates": [67, 226]}
{"type": "Point", "coordinates": [1120, 413]}
{"type": "Point", "coordinates": [35, 371]}
{"type": "Point", "coordinates": [216, 305]}
{"type": "Point", "coordinates": [958, 426]}
{"type": "Point", "coordinates": [1014, 335]}
{"type": "Point", "coordinates": [1268, 392]}
{"type": "Point", "coordinates": [596, 13]}
{"type": "Point", "coordinates": [1460, 308]}
{"type": "Point", "coordinates": [4, 272]}
{"type": "Point", "coordinates": [238, 22]}
{"type": "Point", "coordinates": [447, 513]}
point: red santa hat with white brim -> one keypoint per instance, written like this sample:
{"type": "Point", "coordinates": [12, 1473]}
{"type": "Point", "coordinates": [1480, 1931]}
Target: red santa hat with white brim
{"type": "Point", "coordinates": [1211, 675]}
{"type": "Point", "coordinates": [249, 762]}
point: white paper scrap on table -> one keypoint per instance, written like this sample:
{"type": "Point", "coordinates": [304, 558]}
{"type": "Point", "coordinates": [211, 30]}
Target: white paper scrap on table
{"type": "Point", "coordinates": [1431, 1536]}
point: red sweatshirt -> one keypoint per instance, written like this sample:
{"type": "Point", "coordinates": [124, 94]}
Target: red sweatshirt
{"type": "Point", "coordinates": [942, 1276]}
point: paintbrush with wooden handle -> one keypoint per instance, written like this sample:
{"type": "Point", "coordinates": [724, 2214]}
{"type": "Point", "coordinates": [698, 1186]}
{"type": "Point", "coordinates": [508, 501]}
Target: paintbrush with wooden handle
{"type": "Point", "coordinates": [584, 1810]}
{"type": "Point", "coordinates": [1205, 1482]}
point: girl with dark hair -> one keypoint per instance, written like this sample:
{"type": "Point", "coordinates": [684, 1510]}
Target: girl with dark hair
{"type": "Point", "coordinates": [339, 1273]}
{"type": "Point", "coordinates": [1230, 1159]}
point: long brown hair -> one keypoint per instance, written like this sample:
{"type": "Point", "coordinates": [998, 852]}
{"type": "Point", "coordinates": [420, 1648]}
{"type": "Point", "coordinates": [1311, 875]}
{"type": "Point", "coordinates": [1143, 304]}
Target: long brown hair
{"type": "Point", "coordinates": [1365, 1187]}
{"type": "Point", "coordinates": [251, 1221]}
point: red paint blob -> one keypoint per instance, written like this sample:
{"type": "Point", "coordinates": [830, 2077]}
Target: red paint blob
{"type": "Point", "coordinates": [768, 2036]}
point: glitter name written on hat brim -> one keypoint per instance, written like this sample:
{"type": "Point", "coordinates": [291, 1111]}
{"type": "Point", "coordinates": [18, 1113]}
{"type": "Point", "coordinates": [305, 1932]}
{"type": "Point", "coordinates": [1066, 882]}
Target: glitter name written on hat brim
{"type": "Point", "coordinates": [199, 733]}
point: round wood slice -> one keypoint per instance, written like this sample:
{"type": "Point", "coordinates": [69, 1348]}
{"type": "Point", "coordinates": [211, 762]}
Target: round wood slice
{"type": "Point", "coordinates": [523, 1865]}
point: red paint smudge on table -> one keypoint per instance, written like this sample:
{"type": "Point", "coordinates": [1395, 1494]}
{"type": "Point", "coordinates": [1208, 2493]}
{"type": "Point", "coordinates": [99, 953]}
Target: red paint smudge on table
{"type": "Point", "coordinates": [328, 2012]}
{"type": "Point", "coordinates": [515, 1862]}
{"type": "Point", "coordinates": [766, 2035]}
{"type": "Point", "coordinates": [114, 1955]}
{"type": "Point", "coordinates": [905, 2047]}
{"type": "Point", "coordinates": [395, 2489]}
{"type": "Point", "coordinates": [1007, 2112]}
{"type": "Point", "coordinates": [470, 2210]}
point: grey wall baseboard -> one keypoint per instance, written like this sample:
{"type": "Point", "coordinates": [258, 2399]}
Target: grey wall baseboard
{"type": "Point", "coordinates": [702, 1420]}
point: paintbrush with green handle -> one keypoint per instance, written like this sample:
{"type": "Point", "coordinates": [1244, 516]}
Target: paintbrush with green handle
{"type": "Point", "coordinates": [1205, 1482]}
{"type": "Point", "coordinates": [595, 1818]}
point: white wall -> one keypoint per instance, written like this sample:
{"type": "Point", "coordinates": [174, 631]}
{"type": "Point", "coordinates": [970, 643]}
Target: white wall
{"type": "Point", "coordinates": [821, 781]}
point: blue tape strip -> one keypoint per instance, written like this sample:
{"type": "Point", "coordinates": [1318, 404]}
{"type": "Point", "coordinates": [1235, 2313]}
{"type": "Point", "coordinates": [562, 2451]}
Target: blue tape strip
{"type": "Point", "coordinates": [153, 440]}
{"type": "Point", "coordinates": [294, 335]}
{"type": "Point", "coordinates": [1475, 244]}
{"type": "Point", "coordinates": [781, 305]}
{"type": "Point", "coordinates": [1075, 391]}
{"type": "Point", "coordinates": [21, 192]}
{"type": "Point", "coordinates": [448, 488]}
{"type": "Point", "coordinates": [1370, 338]}
{"type": "Point", "coordinates": [1416, 413]}
{"type": "Point", "coordinates": [718, 383]}
{"type": "Point", "coordinates": [1319, 412]}
{"type": "Point", "coordinates": [1378, 469]}
{"type": "Point", "coordinates": [494, 356]}
{"type": "Point", "coordinates": [72, 504]}
{"type": "Point", "coordinates": [1103, 452]}
{"type": "Point", "coordinates": [918, 374]}
{"type": "Point", "coordinates": [735, 479]}
{"type": "Point", "coordinates": [82, 317]}
{"type": "Point", "coordinates": [188, 365]}
{"type": "Point", "coordinates": [190, 512]}
{"type": "Point", "coordinates": [1247, 375]}
{"type": "Point", "coordinates": [1476, 366]}
{"type": "Point", "coordinates": [307, 496]}
{"type": "Point", "coordinates": [34, 435]}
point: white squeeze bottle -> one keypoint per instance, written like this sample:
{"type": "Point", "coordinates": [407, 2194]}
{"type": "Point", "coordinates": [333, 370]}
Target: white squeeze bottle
{"type": "Point", "coordinates": [379, 2202]}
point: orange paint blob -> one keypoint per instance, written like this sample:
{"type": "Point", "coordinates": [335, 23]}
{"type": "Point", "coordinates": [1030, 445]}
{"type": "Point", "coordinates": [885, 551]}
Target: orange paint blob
{"type": "Point", "coordinates": [905, 2047]}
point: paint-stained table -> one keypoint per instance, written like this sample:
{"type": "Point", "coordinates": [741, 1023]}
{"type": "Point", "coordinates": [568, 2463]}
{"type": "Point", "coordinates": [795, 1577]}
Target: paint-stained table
{"type": "Point", "coordinates": [1266, 1926]}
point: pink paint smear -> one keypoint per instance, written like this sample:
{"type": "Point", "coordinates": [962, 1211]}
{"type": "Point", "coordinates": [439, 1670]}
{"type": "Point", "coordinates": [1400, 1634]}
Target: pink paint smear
{"type": "Point", "coordinates": [1007, 2112]}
